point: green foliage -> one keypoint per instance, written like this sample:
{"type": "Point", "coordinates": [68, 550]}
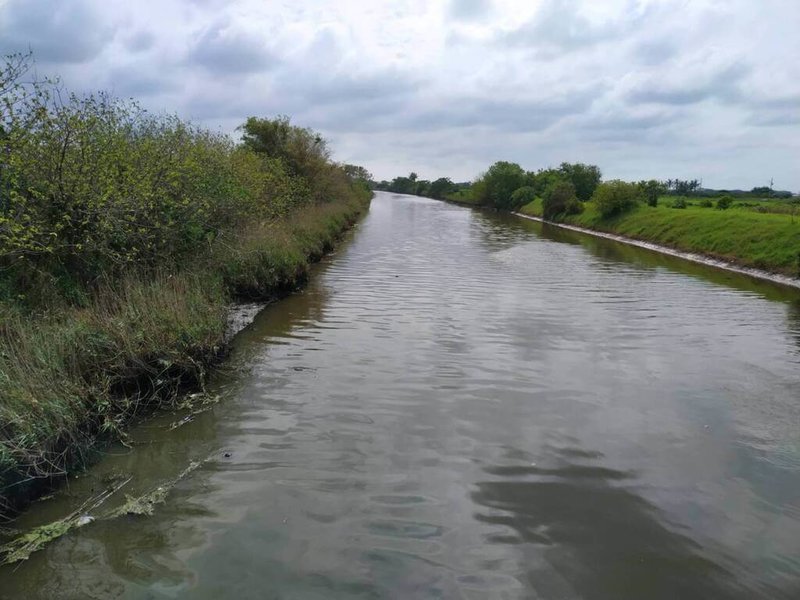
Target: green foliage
{"type": "Point", "coordinates": [585, 178]}
{"type": "Point", "coordinates": [94, 185]}
{"type": "Point", "coordinates": [705, 203]}
{"type": "Point", "coordinates": [403, 185]}
{"type": "Point", "coordinates": [495, 187]}
{"type": "Point", "coordinates": [679, 202]}
{"type": "Point", "coordinates": [303, 151]}
{"type": "Point", "coordinates": [724, 203]}
{"type": "Point", "coordinates": [762, 191]}
{"type": "Point", "coordinates": [616, 197]}
{"type": "Point", "coordinates": [544, 179]}
{"type": "Point", "coordinates": [440, 188]}
{"type": "Point", "coordinates": [357, 173]}
{"type": "Point", "coordinates": [522, 196]}
{"type": "Point", "coordinates": [559, 200]}
{"type": "Point", "coordinates": [652, 189]}
{"type": "Point", "coordinates": [91, 185]}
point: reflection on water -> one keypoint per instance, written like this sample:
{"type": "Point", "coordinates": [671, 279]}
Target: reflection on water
{"type": "Point", "coordinates": [584, 534]}
{"type": "Point", "coordinates": [465, 405]}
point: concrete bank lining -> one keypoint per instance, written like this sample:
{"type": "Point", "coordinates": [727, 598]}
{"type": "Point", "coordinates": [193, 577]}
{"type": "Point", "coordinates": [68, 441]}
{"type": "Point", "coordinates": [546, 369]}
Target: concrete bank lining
{"type": "Point", "coordinates": [694, 257]}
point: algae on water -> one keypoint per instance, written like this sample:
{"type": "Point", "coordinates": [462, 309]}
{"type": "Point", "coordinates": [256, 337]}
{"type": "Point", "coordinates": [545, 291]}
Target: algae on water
{"type": "Point", "coordinates": [22, 547]}
{"type": "Point", "coordinates": [142, 505]}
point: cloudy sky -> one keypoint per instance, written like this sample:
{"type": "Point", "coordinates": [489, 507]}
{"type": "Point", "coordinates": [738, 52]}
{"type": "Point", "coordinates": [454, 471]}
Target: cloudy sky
{"type": "Point", "coordinates": [706, 89]}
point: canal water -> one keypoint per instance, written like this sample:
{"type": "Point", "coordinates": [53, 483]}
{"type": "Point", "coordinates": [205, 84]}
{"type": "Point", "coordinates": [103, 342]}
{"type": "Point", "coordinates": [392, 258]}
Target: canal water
{"type": "Point", "coordinates": [467, 405]}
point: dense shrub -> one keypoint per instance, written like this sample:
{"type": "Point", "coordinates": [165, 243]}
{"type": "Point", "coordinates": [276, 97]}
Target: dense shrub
{"type": "Point", "coordinates": [724, 203]}
{"type": "Point", "coordinates": [616, 197]}
{"type": "Point", "coordinates": [559, 200]}
{"type": "Point", "coordinates": [522, 196]}
{"type": "Point", "coordinates": [679, 202]}
{"type": "Point", "coordinates": [705, 203]}
{"type": "Point", "coordinates": [92, 185]}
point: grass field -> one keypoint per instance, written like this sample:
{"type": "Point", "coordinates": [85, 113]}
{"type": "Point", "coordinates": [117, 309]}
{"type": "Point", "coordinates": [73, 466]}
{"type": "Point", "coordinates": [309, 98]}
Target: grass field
{"type": "Point", "coordinates": [755, 233]}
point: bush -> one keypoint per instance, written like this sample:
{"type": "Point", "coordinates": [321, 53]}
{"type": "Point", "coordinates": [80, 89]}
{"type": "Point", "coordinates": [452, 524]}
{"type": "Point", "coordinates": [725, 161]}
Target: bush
{"type": "Point", "coordinates": [679, 202]}
{"type": "Point", "coordinates": [616, 197]}
{"type": "Point", "coordinates": [559, 200]}
{"type": "Point", "coordinates": [724, 203]}
{"type": "Point", "coordinates": [706, 203]}
{"type": "Point", "coordinates": [95, 186]}
{"type": "Point", "coordinates": [522, 196]}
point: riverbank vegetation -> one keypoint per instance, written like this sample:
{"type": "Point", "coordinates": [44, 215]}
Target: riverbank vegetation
{"type": "Point", "coordinates": [759, 228]}
{"type": "Point", "coordinates": [124, 237]}
{"type": "Point", "coordinates": [438, 189]}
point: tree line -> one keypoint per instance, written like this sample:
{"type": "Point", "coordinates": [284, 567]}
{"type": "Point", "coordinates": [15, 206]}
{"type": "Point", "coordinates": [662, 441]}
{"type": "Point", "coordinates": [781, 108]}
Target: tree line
{"type": "Point", "coordinates": [438, 189]}
{"type": "Point", "coordinates": [564, 189]}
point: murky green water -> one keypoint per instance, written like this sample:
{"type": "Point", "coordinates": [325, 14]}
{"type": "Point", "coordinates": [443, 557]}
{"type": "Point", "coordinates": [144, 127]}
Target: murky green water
{"type": "Point", "coordinates": [470, 406]}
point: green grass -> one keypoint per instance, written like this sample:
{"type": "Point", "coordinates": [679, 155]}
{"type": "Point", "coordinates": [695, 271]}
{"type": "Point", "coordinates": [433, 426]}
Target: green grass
{"type": "Point", "coordinates": [742, 235]}
{"type": "Point", "coordinates": [74, 375]}
{"type": "Point", "coordinates": [463, 197]}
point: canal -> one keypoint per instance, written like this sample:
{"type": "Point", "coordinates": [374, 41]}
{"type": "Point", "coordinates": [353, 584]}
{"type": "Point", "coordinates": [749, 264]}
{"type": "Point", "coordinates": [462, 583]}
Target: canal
{"type": "Point", "coordinates": [466, 405]}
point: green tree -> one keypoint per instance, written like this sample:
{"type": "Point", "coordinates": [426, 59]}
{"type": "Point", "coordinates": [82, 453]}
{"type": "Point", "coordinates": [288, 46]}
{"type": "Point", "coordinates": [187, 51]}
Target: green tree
{"type": "Point", "coordinates": [544, 179]}
{"type": "Point", "coordinates": [652, 189]}
{"type": "Point", "coordinates": [422, 187]}
{"type": "Point", "coordinates": [303, 150]}
{"type": "Point", "coordinates": [763, 191]}
{"type": "Point", "coordinates": [616, 197]}
{"type": "Point", "coordinates": [357, 173]}
{"type": "Point", "coordinates": [584, 177]}
{"type": "Point", "coordinates": [441, 187]}
{"type": "Point", "coordinates": [404, 185]}
{"type": "Point", "coordinates": [495, 187]}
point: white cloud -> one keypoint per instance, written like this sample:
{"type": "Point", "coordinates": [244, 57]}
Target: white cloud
{"type": "Point", "coordinates": [644, 88]}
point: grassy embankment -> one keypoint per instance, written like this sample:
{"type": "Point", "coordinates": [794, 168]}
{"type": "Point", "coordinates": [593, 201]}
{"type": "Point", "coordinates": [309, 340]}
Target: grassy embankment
{"type": "Point", "coordinates": [740, 235]}
{"type": "Point", "coordinates": [124, 237]}
{"type": "Point", "coordinates": [71, 377]}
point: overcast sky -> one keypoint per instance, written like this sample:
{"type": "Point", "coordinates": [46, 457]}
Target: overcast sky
{"type": "Point", "coordinates": [706, 89]}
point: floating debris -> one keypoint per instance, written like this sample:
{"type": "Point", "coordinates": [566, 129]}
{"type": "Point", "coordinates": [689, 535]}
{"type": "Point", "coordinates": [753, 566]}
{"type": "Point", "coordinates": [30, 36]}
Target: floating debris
{"type": "Point", "coordinates": [144, 504]}
{"type": "Point", "coordinates": [197, 404]}
{"type": "Point", "coordinates": [22, 547]}
{"type": "Point", "coordinates": [181, 422]}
